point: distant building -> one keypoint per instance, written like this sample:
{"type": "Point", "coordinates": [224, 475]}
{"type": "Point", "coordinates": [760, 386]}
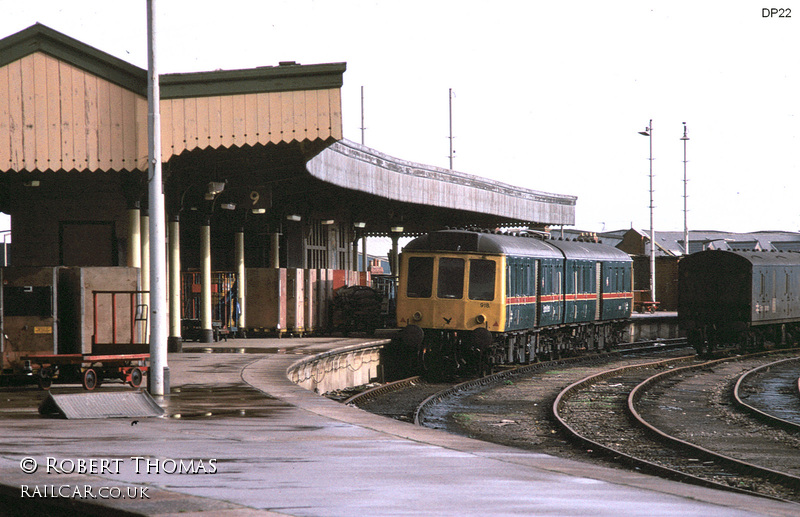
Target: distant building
{"type": "Point", "coordinates": [670, 248]}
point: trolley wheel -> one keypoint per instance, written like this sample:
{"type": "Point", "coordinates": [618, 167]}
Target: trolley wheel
{"type": "Point", "coordinates": [136, 377]}
{"type": "Point", "coordinates": [90, 379]}
{"type": "Point", "coordinates": [45, 378]}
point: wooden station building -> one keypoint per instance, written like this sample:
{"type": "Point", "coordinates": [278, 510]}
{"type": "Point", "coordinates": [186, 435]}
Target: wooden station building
{"type": "Point", "coordinates": [257, 174]}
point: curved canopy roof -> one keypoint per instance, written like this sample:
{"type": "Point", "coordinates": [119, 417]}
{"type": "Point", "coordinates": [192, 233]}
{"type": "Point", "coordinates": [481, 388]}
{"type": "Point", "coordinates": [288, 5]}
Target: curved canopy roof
{"type": "Point", "coordinates": [359, 168]}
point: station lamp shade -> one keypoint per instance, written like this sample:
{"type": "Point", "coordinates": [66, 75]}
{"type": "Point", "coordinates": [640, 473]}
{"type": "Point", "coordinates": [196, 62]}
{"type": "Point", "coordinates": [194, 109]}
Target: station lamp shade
{"type": "Point", "coordinates": [215, 187]}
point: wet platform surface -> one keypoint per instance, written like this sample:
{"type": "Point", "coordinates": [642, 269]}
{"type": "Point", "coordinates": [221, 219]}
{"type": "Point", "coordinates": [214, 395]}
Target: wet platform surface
{"type": "Point", "coordinates": [240, 439]}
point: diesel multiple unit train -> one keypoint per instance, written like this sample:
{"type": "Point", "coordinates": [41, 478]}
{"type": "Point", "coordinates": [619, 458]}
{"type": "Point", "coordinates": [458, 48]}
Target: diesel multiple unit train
{"type": "Point", "coordinates": [747, 299]}
{"type": "Point", "coordinates": [478, 299]}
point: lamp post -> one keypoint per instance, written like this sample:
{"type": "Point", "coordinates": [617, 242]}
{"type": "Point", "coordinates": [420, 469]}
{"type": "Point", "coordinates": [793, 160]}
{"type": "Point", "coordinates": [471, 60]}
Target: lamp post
{"type": "Point", "coordinates": [685, 196]}
{"type": "Point", "coordinates": [158, 376]}
{"type": "Point", "coordinates": [648, 132]}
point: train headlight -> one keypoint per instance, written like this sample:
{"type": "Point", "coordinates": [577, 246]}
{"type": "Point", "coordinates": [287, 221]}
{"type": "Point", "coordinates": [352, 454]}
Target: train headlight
{"type": "Point", "coordinates": [417, 316]}
{"type": "Point", "coordinates": [480, 319]}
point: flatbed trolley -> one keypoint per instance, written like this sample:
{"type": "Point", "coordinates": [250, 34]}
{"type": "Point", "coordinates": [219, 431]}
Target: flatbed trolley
{"type": "Point", "coordinates": [88, 369]}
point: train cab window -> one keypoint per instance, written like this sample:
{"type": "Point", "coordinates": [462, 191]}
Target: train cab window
{"type": "Point", "coordinates": [420, 277]}
{"type": "Point", "coordinates": [481, 279]}
{"type": "Point", "coordinates": [451, 278]}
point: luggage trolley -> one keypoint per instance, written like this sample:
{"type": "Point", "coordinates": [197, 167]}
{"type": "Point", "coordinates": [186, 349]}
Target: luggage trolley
{"type": "Point", "coordinates": [88, 369]}
{"type": "Point", "coordinates": [116, 358]}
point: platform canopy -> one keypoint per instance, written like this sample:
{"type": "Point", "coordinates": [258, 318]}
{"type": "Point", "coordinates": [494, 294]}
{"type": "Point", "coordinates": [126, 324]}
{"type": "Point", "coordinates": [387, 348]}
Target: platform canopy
{"type": "Point", "coordinates": [266, 140]}
{"type": "Point", "coordinates": [424, 197]}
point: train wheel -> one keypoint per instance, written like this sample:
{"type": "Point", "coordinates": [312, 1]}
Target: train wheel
{"type": "Point", "coordinates": [89, 379]}
{"type": "Point", "coordinates": [136, 377]}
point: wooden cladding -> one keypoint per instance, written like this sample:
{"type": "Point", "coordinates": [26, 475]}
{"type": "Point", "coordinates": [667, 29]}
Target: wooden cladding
{"type": "Point", "coordinates": [249, 119]}
{"type": "Point", "coordinates": [55, 116]}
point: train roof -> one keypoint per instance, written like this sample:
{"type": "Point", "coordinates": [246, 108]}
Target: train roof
{"type": "Point", "coordinates": [583, 250]}
{"type": "Point", "coordinates": [755, 258]}
{"type": "Point", "coordinates": [483, 242]}
{"type": "Point", "coordinates": [518, 245]}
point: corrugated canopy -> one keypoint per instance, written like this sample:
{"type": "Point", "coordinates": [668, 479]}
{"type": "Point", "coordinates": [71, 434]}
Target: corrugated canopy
{"type": "Point", "coordinates": [358, 168]}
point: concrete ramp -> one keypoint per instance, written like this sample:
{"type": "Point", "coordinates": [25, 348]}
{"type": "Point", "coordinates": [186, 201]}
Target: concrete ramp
{"type": "Point", "coordinates": [128, 404]}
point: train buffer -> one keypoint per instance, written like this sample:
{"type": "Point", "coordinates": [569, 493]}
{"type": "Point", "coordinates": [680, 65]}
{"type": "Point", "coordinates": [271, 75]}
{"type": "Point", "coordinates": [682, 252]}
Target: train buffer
{"type": "Point", "coordinates": [88, 369]}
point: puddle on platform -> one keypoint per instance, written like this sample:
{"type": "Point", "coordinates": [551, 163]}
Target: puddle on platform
{"type": "Point", "coordinates": [184, 402]}
{"type": "Point", "coordinates": [191, 403]}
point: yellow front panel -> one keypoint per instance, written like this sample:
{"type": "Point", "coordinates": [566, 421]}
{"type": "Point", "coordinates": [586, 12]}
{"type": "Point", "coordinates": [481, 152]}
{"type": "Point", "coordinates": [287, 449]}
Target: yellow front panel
{"type": "Point", "coordinates": [439, 312]}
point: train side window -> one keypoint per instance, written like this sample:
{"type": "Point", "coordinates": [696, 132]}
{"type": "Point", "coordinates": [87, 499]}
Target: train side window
{"type": "Point", "coordinates": [481, 279]}
{"type": "Point", "coordinates": [451, 278]}
{"type": "Point", "coordinates": [420, 277]}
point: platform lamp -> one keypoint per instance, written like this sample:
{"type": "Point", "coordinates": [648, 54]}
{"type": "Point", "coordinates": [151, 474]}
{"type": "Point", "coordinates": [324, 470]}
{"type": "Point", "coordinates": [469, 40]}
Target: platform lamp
{"type": "Point", "coordinates": [648, 132]}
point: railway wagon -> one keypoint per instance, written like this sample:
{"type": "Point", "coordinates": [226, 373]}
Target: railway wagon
{"type": "Point", "coordinates": [479, 299]}
{"type": "Point", "coordinates": [746, 299]}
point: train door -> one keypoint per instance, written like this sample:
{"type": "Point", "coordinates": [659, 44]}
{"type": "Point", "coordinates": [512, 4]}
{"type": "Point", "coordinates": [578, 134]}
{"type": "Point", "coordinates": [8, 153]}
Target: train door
{"type": "Point", "coordinates": [598, 289]}
{"type": "Point", "coordinates": [536, 289]}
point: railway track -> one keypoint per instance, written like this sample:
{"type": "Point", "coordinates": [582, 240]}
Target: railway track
{"type": "Point", "coordinates": [415, 399]}
{"type": "Point", "coordinates": [512, 407]}
{"type": "Point", "coordinates": [771, 393]}
{"type": "Point", "coordinates": [682, 426]}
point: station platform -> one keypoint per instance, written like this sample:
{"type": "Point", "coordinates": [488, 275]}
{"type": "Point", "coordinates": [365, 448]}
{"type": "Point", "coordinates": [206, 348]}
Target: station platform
{"type": "Point", "coordinates": [240, 439]}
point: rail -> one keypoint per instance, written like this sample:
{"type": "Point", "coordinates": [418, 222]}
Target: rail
{"type": "Point", "coordinates": [761, 415]}
{"type": "Point", "coordinates": [643, 346]}
{"type": "Point", "coordinates": [638, 391]}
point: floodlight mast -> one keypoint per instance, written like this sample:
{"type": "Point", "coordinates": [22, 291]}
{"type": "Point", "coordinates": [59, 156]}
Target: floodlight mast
{"type": "Point", "coordinates": [648, 132]}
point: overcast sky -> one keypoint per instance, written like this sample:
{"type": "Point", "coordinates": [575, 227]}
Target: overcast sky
{"type": "Point", "coordinates": [548, 95]}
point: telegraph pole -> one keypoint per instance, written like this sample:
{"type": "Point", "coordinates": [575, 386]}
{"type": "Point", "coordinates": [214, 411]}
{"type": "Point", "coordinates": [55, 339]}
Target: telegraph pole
{"type": "Point", "coordinates": [685, 196]}
{"type": "Point", "coordinates": [450, 104]}
{"type": "Point", "coordinates": [362, 116]}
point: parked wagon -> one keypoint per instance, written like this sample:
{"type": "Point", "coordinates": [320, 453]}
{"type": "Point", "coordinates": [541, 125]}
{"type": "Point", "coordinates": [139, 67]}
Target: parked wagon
{"type": "Point", "coordinates": [743, 299]}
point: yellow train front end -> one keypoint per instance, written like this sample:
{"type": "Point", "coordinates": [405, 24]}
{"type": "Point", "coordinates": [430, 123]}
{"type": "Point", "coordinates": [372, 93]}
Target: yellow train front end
{"type": "Point", "coordinates": [450, 302]}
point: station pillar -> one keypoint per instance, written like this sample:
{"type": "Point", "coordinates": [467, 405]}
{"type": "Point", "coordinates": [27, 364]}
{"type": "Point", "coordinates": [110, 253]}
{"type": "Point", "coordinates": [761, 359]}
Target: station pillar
{"type": "Point", "coordinates": [355, 254]}
{"type": "Point", "coordinates": [274, 253]}
{"type": "Point", "coordinates": [206, 330]}
{"type": "Point", "coordinates": [175, 341]}
{"type": "Point", "coordinates": [365, 260]}
{"type": "Point", "coordinates": [240, 280]}
{"type": "Point", "coordinates": [145, 257]}
{"type": "Point", "coordinates": [396, 232]}
{"type": "Point", "coordinates": [134, 255]}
